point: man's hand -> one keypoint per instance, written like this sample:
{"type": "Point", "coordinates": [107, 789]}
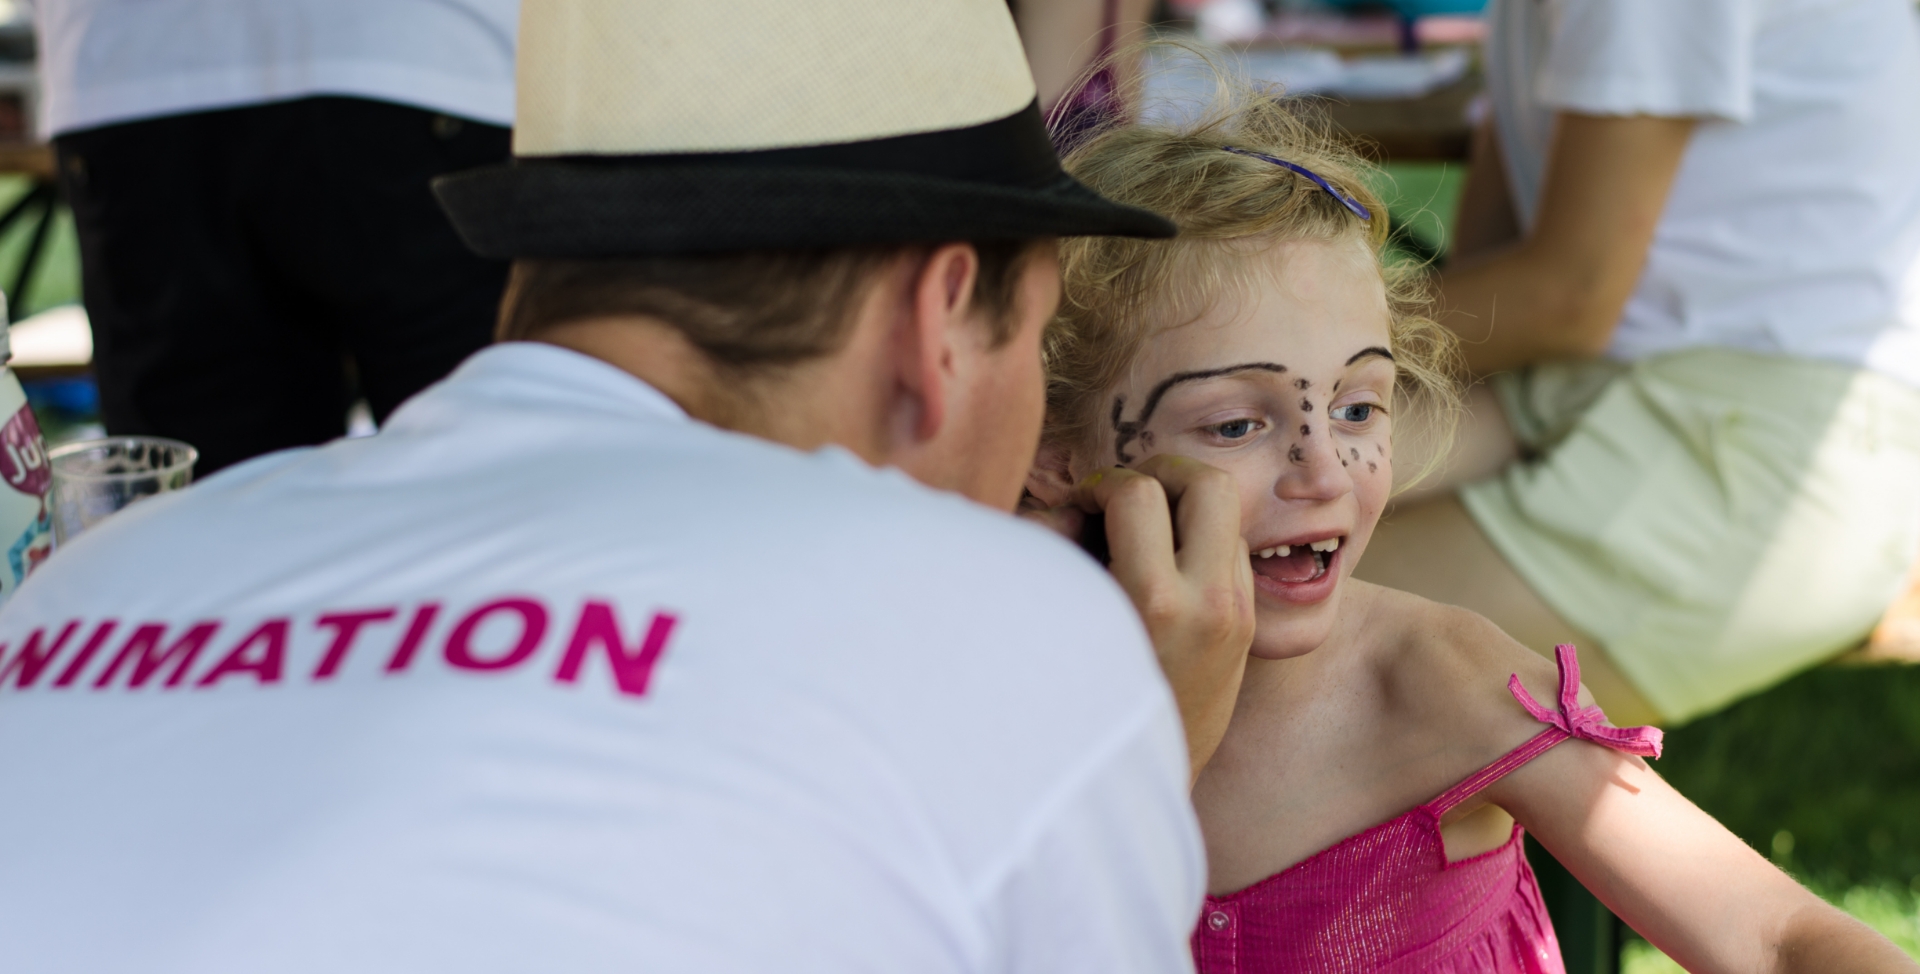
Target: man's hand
{"type": "Point", "coordinates": [1173, 527]}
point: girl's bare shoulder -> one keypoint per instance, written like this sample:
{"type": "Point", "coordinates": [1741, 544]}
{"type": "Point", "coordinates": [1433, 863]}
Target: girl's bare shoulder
{"type": "Point", "coordinates": [1446, 668]}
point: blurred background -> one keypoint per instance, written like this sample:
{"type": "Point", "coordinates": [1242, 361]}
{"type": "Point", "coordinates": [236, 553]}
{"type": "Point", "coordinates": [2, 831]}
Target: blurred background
{"type": "Point", "coordinates": [1821, 774]}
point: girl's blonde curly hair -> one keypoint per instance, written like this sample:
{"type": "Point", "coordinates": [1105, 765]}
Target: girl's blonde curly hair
{"type": "Point", "coordinates": [1230, 207]}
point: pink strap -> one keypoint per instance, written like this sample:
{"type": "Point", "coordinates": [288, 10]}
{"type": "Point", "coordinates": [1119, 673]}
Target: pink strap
{"type": "Point", "coordinates": [1586, 723]}
{"type": "Point", "coordinates": [1573, 720]}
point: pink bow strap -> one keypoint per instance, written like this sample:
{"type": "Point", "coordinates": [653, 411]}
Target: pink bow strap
{"type": "Point", "coordinates": [1586, 723]}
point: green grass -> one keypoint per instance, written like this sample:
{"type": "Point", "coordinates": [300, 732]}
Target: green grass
{"type": "Point", "coordinates": [56, 279]}
{"type": "Point", "coordinates": [1640, 957]}
{"type": "Point", "coordinates": [1422, 199]}
{"type": "Point", "coordinates": [1893, 911]}
{"type": "Point", "coordinates": [1822, 775]}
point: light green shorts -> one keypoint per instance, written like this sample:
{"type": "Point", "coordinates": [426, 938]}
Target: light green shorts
{"type": "Point", "coordinates": [1717, 520]}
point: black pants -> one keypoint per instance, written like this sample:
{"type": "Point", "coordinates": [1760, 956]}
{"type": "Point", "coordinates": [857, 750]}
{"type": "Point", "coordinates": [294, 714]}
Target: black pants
{"type": "Point", "coordinates": [246, 269]}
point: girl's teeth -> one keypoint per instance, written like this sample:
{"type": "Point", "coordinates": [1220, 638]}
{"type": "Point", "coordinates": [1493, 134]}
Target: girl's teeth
{"type": "Point", "coordinates": [1328, 545]}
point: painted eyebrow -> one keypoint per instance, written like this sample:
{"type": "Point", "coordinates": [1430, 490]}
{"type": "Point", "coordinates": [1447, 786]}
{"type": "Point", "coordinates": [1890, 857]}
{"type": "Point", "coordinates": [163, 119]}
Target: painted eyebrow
{"type": "Point", "coordinates": [1370, 350]}
{"type": "Point", "coordinates": [1153, 397]}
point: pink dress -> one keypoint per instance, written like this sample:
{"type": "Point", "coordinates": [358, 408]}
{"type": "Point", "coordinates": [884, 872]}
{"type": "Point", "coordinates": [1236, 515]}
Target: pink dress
{"type": "Point", "coordinates": [1388, 900]}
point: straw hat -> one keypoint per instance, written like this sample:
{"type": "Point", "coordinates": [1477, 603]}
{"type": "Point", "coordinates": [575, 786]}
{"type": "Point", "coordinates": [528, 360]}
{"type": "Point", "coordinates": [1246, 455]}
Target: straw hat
{"type": "Point", "coordinates": [648, 127]}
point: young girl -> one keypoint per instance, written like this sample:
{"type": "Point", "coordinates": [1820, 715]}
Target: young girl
{"type": "Point", "coordinates": [1364, 811]}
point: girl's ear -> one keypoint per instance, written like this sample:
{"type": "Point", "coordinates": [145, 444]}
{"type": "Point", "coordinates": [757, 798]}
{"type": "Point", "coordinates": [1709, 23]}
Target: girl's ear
{"type": "Point", "coordinates": [1050, 481]}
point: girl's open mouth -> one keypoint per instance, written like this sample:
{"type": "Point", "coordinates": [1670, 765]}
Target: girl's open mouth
{"type": "Point", "coordinates": [1303, 573]}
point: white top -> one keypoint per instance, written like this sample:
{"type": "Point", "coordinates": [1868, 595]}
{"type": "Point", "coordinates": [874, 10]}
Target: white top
{"type": "Point", "coordinates": [1793, 226]}
{"type": "Point", "coordinates": [628, 693]}
{"type": "Point", "coordinates": [105, 61]}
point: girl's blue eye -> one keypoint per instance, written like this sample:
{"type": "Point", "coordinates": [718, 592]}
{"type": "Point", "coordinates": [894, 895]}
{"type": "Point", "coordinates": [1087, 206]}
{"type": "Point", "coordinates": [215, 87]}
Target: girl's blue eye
{"type": "Point", "coordinates": [1235, 429]}
{"type": "Point", "coordinates": [1359, 412]}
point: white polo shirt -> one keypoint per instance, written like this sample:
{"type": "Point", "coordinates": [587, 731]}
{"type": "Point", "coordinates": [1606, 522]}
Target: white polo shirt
{"type": "Point", "coordinates": [106, 61]}
{"type": "Point", "coordinates": [1793, 225]}
{"type": "Point", "coordinates": [547, 676]}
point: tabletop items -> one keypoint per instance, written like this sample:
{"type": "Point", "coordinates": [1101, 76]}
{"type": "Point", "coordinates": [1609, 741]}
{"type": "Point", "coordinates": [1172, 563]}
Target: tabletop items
{"type": "Point", "coordinates": [1408, 24]}
{"type": "Point", "coordinates": [53, 496]}
{"type": "Point", "coordinates": [1404, 82]}
{"type": "Point", "coordinates": [95, 478]}
{"type": "Point", "coordinates": [1314, 71]}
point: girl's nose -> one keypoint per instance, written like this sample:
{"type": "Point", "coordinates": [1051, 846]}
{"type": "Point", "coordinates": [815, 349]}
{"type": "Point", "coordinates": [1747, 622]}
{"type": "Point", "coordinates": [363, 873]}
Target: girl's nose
{"type": "Point", "coordinates": [1313, 471]}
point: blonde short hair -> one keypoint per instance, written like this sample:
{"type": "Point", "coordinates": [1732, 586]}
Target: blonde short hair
{"type": "Point", "coordinates": [1118, 291]}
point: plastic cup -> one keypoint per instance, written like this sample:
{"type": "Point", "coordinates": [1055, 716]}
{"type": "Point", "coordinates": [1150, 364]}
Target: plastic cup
{"type": "Point", "coordinates": [94, 478]}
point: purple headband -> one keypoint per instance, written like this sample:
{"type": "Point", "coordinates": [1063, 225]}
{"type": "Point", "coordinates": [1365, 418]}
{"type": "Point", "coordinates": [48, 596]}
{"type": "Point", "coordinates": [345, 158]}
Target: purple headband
{"type": "Point", "coordinates": [1345, 200]}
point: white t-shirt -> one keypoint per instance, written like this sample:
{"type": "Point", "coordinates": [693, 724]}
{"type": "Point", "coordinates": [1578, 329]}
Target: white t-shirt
{"type": "Point", "coordinates": [548, 677]}
{"type": "Point", "coordinates": [106, 61]}
{"type": "Point", "coordinates": [1793, 226]}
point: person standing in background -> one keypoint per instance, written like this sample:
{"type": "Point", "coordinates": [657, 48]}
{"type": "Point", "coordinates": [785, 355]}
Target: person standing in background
{"type": "Point", "coordinates": [249, 179]}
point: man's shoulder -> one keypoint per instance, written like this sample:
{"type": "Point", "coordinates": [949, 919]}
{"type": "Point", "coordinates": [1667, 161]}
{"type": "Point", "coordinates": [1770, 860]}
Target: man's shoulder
{"type": "Point", "coordinates": [911, 554]}
{"type": "Point", "coordinates": [538, 473]}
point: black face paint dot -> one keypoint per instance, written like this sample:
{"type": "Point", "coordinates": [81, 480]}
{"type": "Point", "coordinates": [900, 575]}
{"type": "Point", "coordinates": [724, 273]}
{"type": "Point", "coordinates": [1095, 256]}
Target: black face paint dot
{"type": "Point", "coordinates": [1336, 384]}
{"type": "Point", "coordinates": [1343, 463]}
{"type": "Point", "coordinates": [1297, 455]}
{"type": "Point", "coordinates": [1382, 449]}
{"type": "Point", "coordinates": [1301, 383]}
{"type": "Point", "coordinates": [1306, 430]}
{"type": "Point", "coordinates": [1356, 454]}
{"type": "Point", "coordinates": [1306, 405]}
{"type": "Point", "coordinates": [1372, 467]}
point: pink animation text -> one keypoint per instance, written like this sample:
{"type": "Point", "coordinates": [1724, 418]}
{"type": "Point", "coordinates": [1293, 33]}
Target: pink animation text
{"type": "Point", "coordinates": [495, 636]}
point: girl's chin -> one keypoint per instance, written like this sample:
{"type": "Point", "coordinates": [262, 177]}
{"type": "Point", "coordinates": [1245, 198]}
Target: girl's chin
{"type": "Point", "coordinates": [1285, 628]}
{"type": "Point", "coordinates": [1289, 638]}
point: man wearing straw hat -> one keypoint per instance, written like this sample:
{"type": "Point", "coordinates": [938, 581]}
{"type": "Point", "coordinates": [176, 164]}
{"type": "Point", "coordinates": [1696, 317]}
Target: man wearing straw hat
{"type": "Point", "coordinates": [635, 644]}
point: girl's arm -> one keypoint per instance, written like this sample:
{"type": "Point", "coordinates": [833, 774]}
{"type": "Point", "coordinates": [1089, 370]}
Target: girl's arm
{"type": "Point", "coordinates": [1680, 878]}
{"type": "Point", "coordinates": [1558, 293]}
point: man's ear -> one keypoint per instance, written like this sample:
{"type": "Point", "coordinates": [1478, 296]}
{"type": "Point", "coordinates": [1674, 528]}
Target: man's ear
{"type": "Point", "coordinates": [1050, 481]}
{"type": "Point", "coordinates": [941, 303]}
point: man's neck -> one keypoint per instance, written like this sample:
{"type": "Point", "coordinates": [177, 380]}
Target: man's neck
{"type": "Point", "coordinates": [804, 406]}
